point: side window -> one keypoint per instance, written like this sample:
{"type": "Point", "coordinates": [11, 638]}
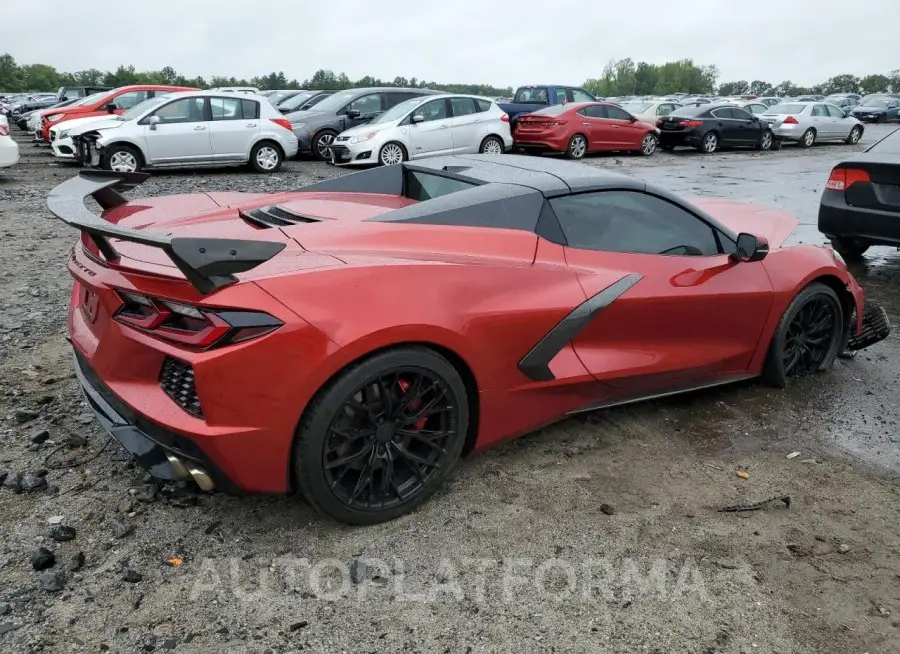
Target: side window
{"type": "Point", "coordinates": [250, 108]}
{"type": "Point", "coordinates": [580, 96]}
{"type": "Point", "coordinates": [434, 110]}
{"type": "Point", "coordinates": [665, 109]}
{"type": "Point", "coordinates": [462, 106]}
{"type": "Point", "coordinates": [583, 111]}
{"type": "Point", "coordinates": [757, 109]}
{"type": "Point", "coordinates": [367, 104]}
{"type": "Point", "coordinates": [396, 97]}
{"type": "Point", "coordinates": [629, 221]}
{"type": "Point", "coordinates": [723, 112]}
{"type": "Point", "coordinates": [483, 105]}
{"type": "Point", "coordinates": [819, 110]}
{"type": "Point", "coordinates": [596, 111]}
{"type": "Point", "coordinates": [740, 114]}
{"type": "Point", "coordinates": [226, 108]}
{"type": "Point", "coordinates": [617, 113]}
{"type": "Point", "coordinates": [128, 100]}
{"type": "Point", "coordinates": [833, 111]}
{"type": "Point", "coordinates": [185, 110]}
{"type": "Point", "coordinates": [533, 96]}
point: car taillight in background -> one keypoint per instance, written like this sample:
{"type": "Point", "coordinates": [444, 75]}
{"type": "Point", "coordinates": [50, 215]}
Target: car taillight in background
{"type": "Point", "coordinates": [691, 123]}
{"type": "Point", "coordinates": [195, 327]}
{"type": "Point", "coordinates": [4, 130]}
{"type": "Point", "coordinates": [843, 178]}
{"type": "Point", "coordinates": [504, 118]}
{"type": "Point", "coordinates": [282, 122]}
{"type": "Point", "coordinates": [790, 120]}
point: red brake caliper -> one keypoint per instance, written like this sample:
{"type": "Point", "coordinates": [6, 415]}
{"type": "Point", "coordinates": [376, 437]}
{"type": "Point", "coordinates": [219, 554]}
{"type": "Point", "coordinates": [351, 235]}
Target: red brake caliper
{"type": "Point", "coordinates": [415, 404]}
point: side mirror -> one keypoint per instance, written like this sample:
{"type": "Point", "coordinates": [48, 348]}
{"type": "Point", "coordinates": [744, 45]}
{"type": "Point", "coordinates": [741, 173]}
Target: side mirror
{"type": "Point", "coordinates": [751, 248]}
{"type": "Point", "coordinates": [111, 107]}
{"type": "Point", "coordinates": [418, 118]}
{"type": "Point", "coordinates": [633, 119]}
{"type": "Point", "coordinates": [352, 113]}
{"type": "Point", "coordinates": [153, 121]}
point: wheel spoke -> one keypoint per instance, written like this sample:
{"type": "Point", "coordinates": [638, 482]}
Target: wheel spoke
{"type": "Point", "coordinates": [351, 459]}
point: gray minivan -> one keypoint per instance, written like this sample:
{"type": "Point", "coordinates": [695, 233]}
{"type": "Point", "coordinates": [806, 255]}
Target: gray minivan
{"type": "Point", "coordinates": [316, 128]}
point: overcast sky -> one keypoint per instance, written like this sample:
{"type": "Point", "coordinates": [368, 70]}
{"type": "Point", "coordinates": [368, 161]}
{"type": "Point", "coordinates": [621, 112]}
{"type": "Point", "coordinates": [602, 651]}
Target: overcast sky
{"type": "Point", "coordinates": [479, 41]}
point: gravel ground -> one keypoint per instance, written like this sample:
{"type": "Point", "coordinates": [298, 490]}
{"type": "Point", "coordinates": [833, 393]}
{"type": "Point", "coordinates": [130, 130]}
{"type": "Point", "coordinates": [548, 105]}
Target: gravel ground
{"type": "Point", "coordinates": [600, 534]}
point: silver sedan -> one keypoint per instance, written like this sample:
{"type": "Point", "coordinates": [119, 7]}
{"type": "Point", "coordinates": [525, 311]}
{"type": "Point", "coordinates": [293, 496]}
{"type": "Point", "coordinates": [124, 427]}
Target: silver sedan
{"type": "Point", "coordinates": [806, 123]}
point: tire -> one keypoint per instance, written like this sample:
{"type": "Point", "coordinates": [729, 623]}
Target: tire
{"type": "Point", "coordinates": [492, 143]}
{"type": "Point", "coordinates": [122, 158]}
{"type": "Point", "coordinates": [854, 136]}
{"type": "Point", "coordinates": [330, 462]}
{"type": "Point", "coordinates": [808, 138]}
{"type": "Point", "coordinates": [649, 144]}
{"type": "Point", "coordinates": [392, 153]}
{"type": "Point", "coordinates": [849, 248]}
{"type": "Point", "coordinates": [766, 141]}
{"type": "Point", "coordinates": [266, 157]}
{"type": "Point", "coordinates": [797, 328]}
{"type": "Point", "coordinates": [320, 144]}
{"type": "Point", "coordinates": [709, 143]}
{"type": "Point", "coordinates": [577, 147]}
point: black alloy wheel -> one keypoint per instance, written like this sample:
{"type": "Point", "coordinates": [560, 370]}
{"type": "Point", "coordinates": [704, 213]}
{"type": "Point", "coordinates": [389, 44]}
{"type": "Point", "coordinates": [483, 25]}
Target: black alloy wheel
{"type": "Point", "coordinates": [383, 436]}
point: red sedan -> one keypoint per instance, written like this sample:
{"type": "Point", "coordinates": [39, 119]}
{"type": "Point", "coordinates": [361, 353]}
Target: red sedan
{"type": "Point", "coordinates": [350, 341]}
{"type": "Point", "coordinates": [579, 128]}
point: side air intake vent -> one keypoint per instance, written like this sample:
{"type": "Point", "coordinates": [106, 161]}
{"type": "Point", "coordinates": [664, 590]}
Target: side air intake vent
{"type": "Point", "coordinates": [274, 216]}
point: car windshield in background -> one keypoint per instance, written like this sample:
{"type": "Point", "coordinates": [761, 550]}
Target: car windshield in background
{"type": "Point", "coordinates": [294, 101]}
{"type": "Point", "coordinates": [90, 99]}
{"type": "Point", "coordinates": [551, 111]}
{"type": "Point", "coordinates": [890, 144]}
{"type": "Point", "coordinates": [877, 104]}
{"type": "Point", "coordinates": [869, 99]}
{"type": "Point", "coordinates": [337, 101]}
{"type": "Point", "coordinates": [685, 112]}
{"type": "Point", "coordinates": [142, 107]}
{"type": "Point", "coordinates": [399, 111]}
{"type": "Point", "coordinates": [636, 107]}
{"type": "Point", "coordinates": [531, 96]}
{"type": "Point", "coordinates": [785, 109]}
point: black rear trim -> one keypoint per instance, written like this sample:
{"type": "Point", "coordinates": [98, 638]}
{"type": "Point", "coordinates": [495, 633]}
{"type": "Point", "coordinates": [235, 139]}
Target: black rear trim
{"type": "Point", "coordinates": [275, 216]}
{"type": "Point", "coordinates": [208, 263]}
{"type": "Point", "coordinates": [536, 364]}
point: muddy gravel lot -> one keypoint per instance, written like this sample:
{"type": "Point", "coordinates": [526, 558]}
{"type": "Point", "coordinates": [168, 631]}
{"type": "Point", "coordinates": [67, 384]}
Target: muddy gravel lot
{"type": "Point", "coordinates": [600, 534]}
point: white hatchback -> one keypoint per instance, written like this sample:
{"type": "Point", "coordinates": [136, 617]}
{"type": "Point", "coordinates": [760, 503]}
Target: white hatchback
{"type": "Point", "coordinates": [426, 126]}
{"type": "Point", "coordinates": [9, 149]}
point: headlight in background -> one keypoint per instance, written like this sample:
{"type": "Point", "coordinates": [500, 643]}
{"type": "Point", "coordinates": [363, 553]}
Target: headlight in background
{"type": "Point", "coordinates": [297, 126]}
{"type": "Point", "coordinates": [362, 138]}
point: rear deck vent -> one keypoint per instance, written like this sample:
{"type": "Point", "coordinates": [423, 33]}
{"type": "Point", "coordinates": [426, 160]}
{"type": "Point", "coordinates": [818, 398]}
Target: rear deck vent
{"type": "Point", "coordinates": [456, 169]}
{"type": "Point", "coordinates": [274, 216]}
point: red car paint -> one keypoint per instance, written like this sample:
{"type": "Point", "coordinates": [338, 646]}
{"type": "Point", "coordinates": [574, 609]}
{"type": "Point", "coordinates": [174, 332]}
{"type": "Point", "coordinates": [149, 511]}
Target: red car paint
{"type": "Point", "coordinates": [553, 131]}
{"type": "Point", "coordinates": [344, 288]}
{"type": "Point", "coordinates": [98, 107]}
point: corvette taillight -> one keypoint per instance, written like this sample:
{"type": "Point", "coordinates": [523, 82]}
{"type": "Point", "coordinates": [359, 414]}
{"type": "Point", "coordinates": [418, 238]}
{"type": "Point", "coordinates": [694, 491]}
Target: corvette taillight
{"type": "Point", "coordinates": [194, 327]}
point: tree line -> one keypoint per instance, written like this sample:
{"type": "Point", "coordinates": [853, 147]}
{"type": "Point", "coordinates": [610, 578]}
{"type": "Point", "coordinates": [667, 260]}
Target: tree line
{"type": "Point", "coordinates": [619, 77]}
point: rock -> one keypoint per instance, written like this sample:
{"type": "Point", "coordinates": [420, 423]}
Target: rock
{"type": "Point", "coordinates": [357, 571]}
{"type": "Point", "coordinates": [148, 642]}
{"type": "Point", "coordinates": [84, 418]}
{"type": "Point", "coordinates": [62, 533]}
{"type": "Point", "coordinates": [104, 647]}
{"type": "Point", "coordinates": [606, 509]}
{"type": "Point", "coordinates": [53, 581]}
{"type": "Point", "coordinates": [126, 505]}
{"type": "Point", "coordinates": [75, 441]}
{"type": "Point", "coordinates": [132, 576]}
{"type": "Point", "coordinates": [32, 482]}
{"type": "Point", "coordinates": [12, 482]}
{"type": "Point", "coordinates": [77, 562]}
{"type": "Point", "coordinates": [136, 604]}
{"type": "Point", "coordinates": [170, 643]}
{"type": "Point", "coordinates": [147, 493]}
{"type": "Point", "coordinates": [299, 625]}
{"type": "Point", "coordinates": [40, 436]}
{"type": "Point", "coordinates": [121, 529]}
{"type": "Point", "coordinates": [7, 627]}
{"type": "Point", "coordinates": [3, 475]}
{"type": "Point", "coordinates": [43, 559]}
{"type": "Point", "coordinates": [843, 548]}
{"type": "Point", "coordinates": [24, 415]}
{"type": "Point", "coordinates": [55, 520]}
{"type": "Point", "coordinates": [4, 608]}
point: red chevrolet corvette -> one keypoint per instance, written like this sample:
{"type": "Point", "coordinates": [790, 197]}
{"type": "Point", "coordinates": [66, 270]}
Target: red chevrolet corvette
{"type": "Point", "coordinates": [351, 340]}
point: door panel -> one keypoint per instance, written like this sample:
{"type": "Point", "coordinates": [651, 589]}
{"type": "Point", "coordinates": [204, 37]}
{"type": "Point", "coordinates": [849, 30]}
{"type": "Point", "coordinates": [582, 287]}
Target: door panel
{"type": "Point", "coordinates": [685, 319]}
{"type": "Point", "coordinates": [182, 133]}
{"type": "Point", "coordinates": [464, 126]}
{"type": "Point", "coordinates": [230, 134]}
{"type": "Point", "coordinates": [433, 135]}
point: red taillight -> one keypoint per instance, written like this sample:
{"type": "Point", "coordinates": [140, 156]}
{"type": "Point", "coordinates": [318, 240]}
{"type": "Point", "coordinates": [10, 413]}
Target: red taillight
{"type": "Point", "coordinates": [504, 118]}
{"type": "Point", "coordinates": [282, 122]}
{"type": "Point", "coordinates": [843, 178]}
{"type": "Point", "coordinates": [4, 130]}
{"type": "Point", "coordinates": [691, 123]}
{"type": "Point", "coordinates": [790, 120]}
{"type": "Point", "coordinates": [194, 327]}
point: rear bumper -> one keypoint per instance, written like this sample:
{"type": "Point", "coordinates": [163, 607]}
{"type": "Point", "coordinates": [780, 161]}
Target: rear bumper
{"type": "Point", "coordinates": [541, 143]}
{"type": "Point", "coordinates": [875, 226]}
{"type": "Point", "coordinates": [675, 138]}
{"type": "Point", "coordinates": [9, 153]}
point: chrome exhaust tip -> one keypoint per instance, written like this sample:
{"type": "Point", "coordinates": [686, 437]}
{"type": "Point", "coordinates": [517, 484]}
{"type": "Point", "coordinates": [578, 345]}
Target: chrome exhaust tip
{"type": "Point", "coordinates": [178, 467]}
{"type": "Point", "coordinates": [203, 480]}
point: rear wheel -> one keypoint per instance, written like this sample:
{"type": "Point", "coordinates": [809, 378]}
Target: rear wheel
{"type": "Point", "coordinates": [266, 157]}
{"type": "Point", "coordinates": [382, 437]}
{"type": "Point", "coordinates": [808, 338]}
{"type": "Point", "coordinates": [649, 144]}
{"type": "Point", "coordinates": [808, 138]}
{"type": "Point", "coordinates": [492, 145]}
{"type": "Point", "coordinates": [849, 248]}
{"type": "Point", "coordinates": [710, 143]}
{"type": "Point", "coordinates": [122, 159]}
{"type": "Point", "coordinates": [854, 136]}
{"type": "Point", "coordinates": [577, 147]}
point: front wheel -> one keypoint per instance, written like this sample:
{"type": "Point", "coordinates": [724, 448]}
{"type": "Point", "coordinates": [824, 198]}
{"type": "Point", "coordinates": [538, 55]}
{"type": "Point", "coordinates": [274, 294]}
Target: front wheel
{"type": "Point", "coordinates": [849, 248]}
{"type": "Point", "coordinates": [492, 145]}
{"type": "Point", "coordinates": [577, 147]}
{"type": "Point", "coordinates": [266, 157]}
{"type": "Point", "coordinates": [382, 437]}
{"type": "Point", "coordinates": [320, 144]}
{"type": "Point", "coordinates": [649, 144]}
{"type": "Point", "coordinates": [854, 136]}
{"type": "Point", "coordinates": [710, 143]}
{"type": "Point", "coordinates": [122, 159]}
{"type": "Point", "coordinates": [391, 154]}
{"type": "Point", "coordinates": [808, 338]}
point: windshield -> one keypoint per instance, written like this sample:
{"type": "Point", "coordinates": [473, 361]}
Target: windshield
{"type": "Point", "coordinates": [785, 109]}
{"type": "Point", "coordinates": [295, 101]}
{"type": "Point", "coordinates": [90, 99]}
{"type": "Point", "coordinates": [880, 103]}
{"type": "Point", "coordinates": [399, 111]}
{"type": "Point", "coordinates": [337, 101]}
{"type": "Point", "coordinates": [142, 107]}
{"type": "Point", "coordinates": [636, 107]}
{"type": "Point", "coordinates": [551, 111]}
{"type": "Point", "coordinates": [869, 99]}
{"type": "Point", "coordinates": [531, 95]}
{"type": "Point", "coordinates": [689, 111]}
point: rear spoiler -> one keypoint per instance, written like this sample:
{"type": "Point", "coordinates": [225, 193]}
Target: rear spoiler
{"type": "Point", "coordinates": [208, 263]}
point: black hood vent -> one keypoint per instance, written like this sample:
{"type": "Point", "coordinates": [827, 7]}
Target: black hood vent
{"type": "Point", "coordinates": [274, 216]}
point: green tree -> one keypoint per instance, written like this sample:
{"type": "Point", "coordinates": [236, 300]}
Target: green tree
{"type": "Point", "coordinates": [734, 88]}
{"type": "Point", "coordinates": [760, 87]}
{"type": "Point", "coordinates": [874, 84]}
{"type": "Point", "coordinates": [841, 84]}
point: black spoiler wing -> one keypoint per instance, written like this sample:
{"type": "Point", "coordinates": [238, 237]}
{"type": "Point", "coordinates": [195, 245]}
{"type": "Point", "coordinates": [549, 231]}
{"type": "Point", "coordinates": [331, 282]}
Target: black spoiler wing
{"type": "Point", "coordinates": [208, 263]}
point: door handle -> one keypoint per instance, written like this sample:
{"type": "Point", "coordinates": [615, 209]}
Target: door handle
{"type": "Point", "coordinates": [199, 127]}
{"type": "Point", "coordinates": [250, 125]}
{"type": "Point", "coordinates": [586, 124]}
{"type": "Point", "coordinates": [444, 126]}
